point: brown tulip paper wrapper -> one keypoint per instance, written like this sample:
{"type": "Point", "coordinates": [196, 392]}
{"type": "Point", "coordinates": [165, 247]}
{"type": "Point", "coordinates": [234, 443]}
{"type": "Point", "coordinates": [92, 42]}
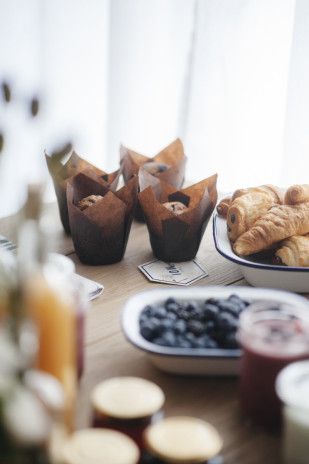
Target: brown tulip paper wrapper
{"type": "Point", "coordinates": [173, 156]}
{"type": "Point", "coordinates": [60, 174]}
{"type": "Point", "coordinates": [176, 238]}
{"type": "Point", "coordinates": [100, 232]}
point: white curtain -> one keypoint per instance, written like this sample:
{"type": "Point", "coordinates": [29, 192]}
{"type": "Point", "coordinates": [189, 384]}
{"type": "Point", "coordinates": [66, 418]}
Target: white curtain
{"type": "Point", "coordinates": [228, 77]}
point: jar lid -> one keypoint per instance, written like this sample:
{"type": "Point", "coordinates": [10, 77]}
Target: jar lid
{"type": "Point", "coordinates": [91, 446]}
{"type": "Point", "coordinates": [292, 384]}
{"type": "Point", "coordinates": [182, 440]}
{"type": "Point", "coordinates": [127, 398]}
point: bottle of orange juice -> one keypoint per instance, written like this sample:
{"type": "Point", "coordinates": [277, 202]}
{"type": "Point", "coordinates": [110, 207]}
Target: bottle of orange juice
{"type": "Point", "coordinates": [49, 300]}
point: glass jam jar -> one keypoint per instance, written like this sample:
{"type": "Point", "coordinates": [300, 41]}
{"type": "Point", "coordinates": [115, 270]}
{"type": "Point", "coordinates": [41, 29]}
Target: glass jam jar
{"type": "Point", "coordinates": [127, 404]}
{"type": "Point", "coordinates": [272, 336]}
{"type": "Point", "coordinates": [182, 440]}
{"type": "Point", "coordinates": [102, 446]}
{"type": "Point", "coordinates": [292, 387]}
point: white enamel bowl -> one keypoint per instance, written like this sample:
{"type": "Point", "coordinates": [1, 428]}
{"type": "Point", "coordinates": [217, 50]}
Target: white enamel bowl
{"type": "Point", "coordinates": [295, 279]}
{"type": "Point", "coordinates": [194, 361]}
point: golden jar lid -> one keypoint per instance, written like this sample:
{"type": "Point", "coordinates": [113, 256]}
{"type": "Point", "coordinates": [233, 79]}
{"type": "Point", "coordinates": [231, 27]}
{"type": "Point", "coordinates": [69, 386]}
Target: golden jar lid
{"type": "Point", "coordinates": [127, 398]}
{"type": "Point", "coordinates": [183, 440]}
{"type": "Point", "coordinates": [93, 446]}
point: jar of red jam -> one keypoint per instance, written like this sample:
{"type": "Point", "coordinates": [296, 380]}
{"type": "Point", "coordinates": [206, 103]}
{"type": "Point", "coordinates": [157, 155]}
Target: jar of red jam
{"type": "Point", "coordinates": [127, 404]}
{"type": "Point", "coordinates": [182, 440]}
{"type": "Point", "coordinates": [91, 446]}
{"type": "Point", "coordinates": [271, 337]}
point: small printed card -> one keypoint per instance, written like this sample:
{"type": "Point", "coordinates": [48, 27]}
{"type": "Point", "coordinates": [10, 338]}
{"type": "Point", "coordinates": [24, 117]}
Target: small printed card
{"type": "Point", "coordinates": [185, 273]}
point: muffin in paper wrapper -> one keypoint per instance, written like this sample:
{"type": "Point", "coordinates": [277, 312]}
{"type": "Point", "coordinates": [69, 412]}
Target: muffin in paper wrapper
{"type": "Point", "coordinates": [176, 238]}
{"type": "Point", "coordinates": [100, 232]}
{"type": "Point", "coordinates": [172, 156]}
{"type": "Point", "coordinates": [60, 174]}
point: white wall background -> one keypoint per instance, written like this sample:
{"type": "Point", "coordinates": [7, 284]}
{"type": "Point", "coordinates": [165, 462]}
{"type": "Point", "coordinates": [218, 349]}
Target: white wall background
{"type": "Point", "coordinates": [229, 77]}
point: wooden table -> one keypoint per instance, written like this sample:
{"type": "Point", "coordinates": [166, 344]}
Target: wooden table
{"type": "Point", "coordinates": [109, 354]}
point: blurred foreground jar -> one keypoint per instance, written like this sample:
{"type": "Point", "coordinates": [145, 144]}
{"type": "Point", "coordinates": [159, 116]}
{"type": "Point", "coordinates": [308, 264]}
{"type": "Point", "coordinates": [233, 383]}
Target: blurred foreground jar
{"type": "Point", "coordinates": [271, 338]}
{"type": "Point", "coordinates": [292, 386]}
{"type": "Point", "coordinates": [182, 440]}
{"type": "Point", "coordinates": [127, 404]}
{"type": "Point", "coordinates": [30, 408]}
{"type": "Point", "coordinates": [48, 297]}
{"type": "Point", "coordinates": [94, 446]}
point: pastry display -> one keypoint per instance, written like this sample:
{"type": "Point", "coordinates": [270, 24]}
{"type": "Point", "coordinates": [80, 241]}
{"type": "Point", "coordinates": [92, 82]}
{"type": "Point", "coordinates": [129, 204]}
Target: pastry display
{"type": "Point", "coordinates": [176, 237]}
{"type": "Point", "coordinates": [168, 165]}
{"type": "Point", "coordinates": [100, 231]}
{"type": "Point", "coordinates": [88, 201]}
{"type": "Point", "coordinates": [175, 207]}
{"type": "Point", "coordinates": [247, 206]}
{"type": "Point", "coordinates": [293, 251]}
{"type": "Point", "coordinates": [278, 223]}
{"type": "Point", "coordinates": [269, 223]}
{"type": "Point", "coordinates": [61, 172]}
{"type": "Point", "coordinates": [297, 194]}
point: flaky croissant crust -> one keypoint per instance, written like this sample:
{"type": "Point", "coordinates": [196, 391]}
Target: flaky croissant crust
{"type": "Point", "coordinates": [279, 223]}
{"type": "Point", "coordinates": [248, 205]}
{"type": "Point", "coordinates": [294, 251]}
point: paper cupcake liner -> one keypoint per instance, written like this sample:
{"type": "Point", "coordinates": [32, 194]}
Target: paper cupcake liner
{"type": "Point", "coordinates": [100, 232]}
{"type": "Point", "coordinates": [172, 155]}
{"type": "Point", "coordinates": [60, 174]}
{"type": "Point", "coordinates": [176, 238]}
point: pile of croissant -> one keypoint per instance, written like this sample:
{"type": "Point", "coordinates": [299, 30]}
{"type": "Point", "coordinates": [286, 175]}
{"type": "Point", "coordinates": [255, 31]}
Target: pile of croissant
{"type": "Point", "coordinates": [268, 218]}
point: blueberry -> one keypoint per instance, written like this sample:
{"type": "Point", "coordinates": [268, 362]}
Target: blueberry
{"type": "Point", "coordinates": [238, 302]}
{"type": "Point", "coordinates": [183, 343]}
{"type": "Point", "coordinates": [213, 301]}
{"type": "Point", "coordinates": [180, 326]}
{"type": "Point", "coordinates": [166, 324]}
{"type": "Point", "coordinates": [229, 307]}
{"type": "Point", "coordinates": [230, 341]}
{"type": "Point", "coordinates": [171, 316]}
{"type": "Point", "coordinates": [170, 300]}
{"type": "Point", "coordinates": [212, 343]}
{"type": "Point", "coordinates": [190, 336]}
{"type": "Point", "coordinates": [169, 338]}
{"type": "Point", "coordinates": [172, 307]}
{"type": "Point", "coordinates": [210, 327]}
{"type": "Point", "coordinates": [159, 341]}
{"type": "Point", "coordinates": [211, 311]}
{"type": "Point", "coordinates": [227, 322]}
{"type": "Point", "coordinates": [184, 314]}
{"type": "Point", "coordinates": [207, 342]}
{"type": "Point", "coordinates": [147, 311]}
{"type": "Point", "coordinates": [150, 329]}
{"type": "Point", "coordinates": [196, 327]}
{"type": "Point", "coordinates": [159, 312]}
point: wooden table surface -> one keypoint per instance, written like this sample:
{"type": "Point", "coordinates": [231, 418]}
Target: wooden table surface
{"type": "Point", "coordinates": [108, 354]}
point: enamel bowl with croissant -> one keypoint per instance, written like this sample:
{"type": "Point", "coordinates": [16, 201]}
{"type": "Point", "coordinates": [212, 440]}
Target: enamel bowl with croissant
{"type": "Point", "coordinates": [259, 271]}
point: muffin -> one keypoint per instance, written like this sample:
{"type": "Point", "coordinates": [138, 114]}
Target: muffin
{"type": "Point", "coordinates": [60, 174]}
{"type": "Point", "coordinates": [176, 219]}
{"type": "Point", "coordinates": [100, 219]}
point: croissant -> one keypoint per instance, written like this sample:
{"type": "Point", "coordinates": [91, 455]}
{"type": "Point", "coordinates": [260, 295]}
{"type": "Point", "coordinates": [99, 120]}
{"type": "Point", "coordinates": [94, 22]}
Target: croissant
{"type": "Point", "coordinates": [294, 251]}
{"type": "Point", "coordinates": [249, 206]}
{"type": "Point", "coordinates": [223, 206]}
{"type": "Point", "coordinates": [279, 223]}
{"type": "Point", "coordinates": [297, 194]}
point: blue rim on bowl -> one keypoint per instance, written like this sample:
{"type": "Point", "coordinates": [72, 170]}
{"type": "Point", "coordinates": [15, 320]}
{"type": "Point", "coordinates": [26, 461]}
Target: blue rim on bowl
{"type": "Point", "coordinates": [223, 247]}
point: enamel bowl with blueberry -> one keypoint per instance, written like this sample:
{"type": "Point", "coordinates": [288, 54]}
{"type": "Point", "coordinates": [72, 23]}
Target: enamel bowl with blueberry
{"type": "Point", "coordinates": [194, 330]}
